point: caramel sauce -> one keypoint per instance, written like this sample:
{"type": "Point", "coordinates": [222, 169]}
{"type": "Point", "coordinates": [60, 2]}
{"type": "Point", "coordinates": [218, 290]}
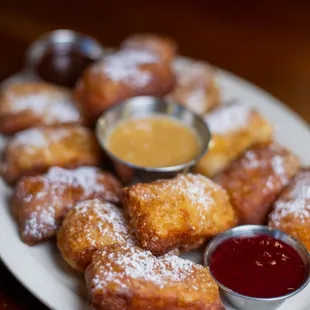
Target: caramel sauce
{"type": "Point", "coordinates": [157, 141]}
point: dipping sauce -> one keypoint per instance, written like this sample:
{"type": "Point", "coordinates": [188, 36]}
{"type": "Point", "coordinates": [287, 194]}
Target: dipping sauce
{"type": "Point", "coordinates": [259, 266]}
{"type": "Point", "coordinates": [62, 64]}
{"type": "Point", "coordinates": [157, 141]}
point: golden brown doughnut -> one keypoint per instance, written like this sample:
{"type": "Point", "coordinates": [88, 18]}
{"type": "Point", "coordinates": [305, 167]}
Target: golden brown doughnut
{"type": "Point", "coordinates": [34, 151]}
{"type": "Point", "coordinates": [41, 202]}
{"type": "Point", "coordinates": [234, 128]}
{"type": "Point", "coordinates": [291, 211]}
{"type": "Point", "coordinates": [182, 212]}
{"type": "Point", "coordinates": [255, 179]}
{"type": "Point", "coordinates": [89, 226]}
{"type": "Point", "coordinates": [128, 278]}
{"type": "Point", "coordinates": [33, 104]}
{"type": "Point", "coordinates": [196, 86]}
{"type": "Point", "coordinates": [121, 75]}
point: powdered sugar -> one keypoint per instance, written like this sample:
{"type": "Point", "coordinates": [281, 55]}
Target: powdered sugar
{"type": "Point", "coordinates": [57, 180]}
{"type": "Point", "coordinates": [194, 187]}
{"type": "Point", "coordinates": [298, 207]}
{"type": "Point", "coordinates": [123, 66]}
{"type": "Point", "coordinates": [54, 106]}
{"type": "Point", "coordinates": [40, 137]}
{"type": "Point", "coordinates": [188, 71]}
{"type": "Point", "coordinates": [228, 118]}
{"type": "Point", "coordinates": [39, 222]}
{"type": "Point", "coordinates": [278, 166]}
{"type": "Point", "coordinates": [196, 100]}
{"type": "Point", "coordinates": [302, 190]}
{"type": "Point", "coordinates": [83, 177]}
{"type": "Point", "coordinates": [273, 158]}
{"type": "Point", "coordinates": [295, 200]}
{"type": "Point", "coordinates": [193, 79]}
{"type": "Point", "coordinates": [52, 199]}
{"type": "Point", "coordinates": [252, 161]}
{"type": "Point", "coordinates": [104, 216]}
{"type": "Point", "coordinates": [197, 189]}
{"type": "Point", "coordinates": [134, 263]}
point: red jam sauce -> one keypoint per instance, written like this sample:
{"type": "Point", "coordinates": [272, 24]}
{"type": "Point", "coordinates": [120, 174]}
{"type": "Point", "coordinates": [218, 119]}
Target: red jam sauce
{"type": "Point", "coordinates": [259, 266]}
{"type": "Point", "coordinates": [62, 65]}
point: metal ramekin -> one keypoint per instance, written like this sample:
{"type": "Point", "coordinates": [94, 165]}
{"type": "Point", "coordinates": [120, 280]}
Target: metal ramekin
{"type": "Point", "coordinates": [144, 106]}
{"type": "Point", "coordinates": [86, 44]}
{"type": "Point", "coordinates": [243, 302]}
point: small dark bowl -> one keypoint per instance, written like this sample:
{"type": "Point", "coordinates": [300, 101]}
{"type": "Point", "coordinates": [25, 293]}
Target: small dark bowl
{"type": "Point", "coordinates": [88, 45]}
{"type": "Point", "coordinates": [62, 39]}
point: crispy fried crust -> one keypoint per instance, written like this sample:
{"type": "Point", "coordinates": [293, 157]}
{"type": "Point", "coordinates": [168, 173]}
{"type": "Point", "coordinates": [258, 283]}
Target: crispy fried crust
{"type": "Point", "coordinates": [41, 202]}
{"type": "Point", "coordinates": [291, 212]}
{"type": "Point", "coordinates": [121, 278]}
{"type": "Point", "coordinates": [196, 86]}
{"type": "Point", "coordinates": [89, 226]}
{"type": "Point", "coordinates": [256, 178]}
{"type": "Point", "coordinates": [119, 76]}
{"type": "Point", "coordinates": [33, 104]}
{"type": "Point", "coordinates": [234, 128]}
{"type": "Point", "coordinates": [162, 46]}
{"type": "Point", "coordinates": [180, 212]}
{"type": "Point", "coordinates": [34, 151]}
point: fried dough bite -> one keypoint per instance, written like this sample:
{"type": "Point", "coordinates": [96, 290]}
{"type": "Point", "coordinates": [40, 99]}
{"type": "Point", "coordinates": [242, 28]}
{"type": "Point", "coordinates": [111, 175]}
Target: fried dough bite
{"type": "Point", "coordinates": [255, 179]}
{"type": "Point", "coordinates": [89, 226]}
{"type": "Point", "coordinates": [119, 76]}
{"type": "Point", "coordinates": [129, 278]}
{"type": "Point", "coordinates": [33, 104]}
{"type": "Point", "coordinates": [177, 213]}
{"type": "Point", "coordinates": [196, 87]}
{"type": "Point", "coordinates": [160, 45]}
{"type": "Point", "coordinates": [234, 128]}
{"type": "Point", "coordinates": [34, 151]}
{"type": "Point", "coordinates": [41, 202]}
{"type": "Point", "coordinates": [291, 211]}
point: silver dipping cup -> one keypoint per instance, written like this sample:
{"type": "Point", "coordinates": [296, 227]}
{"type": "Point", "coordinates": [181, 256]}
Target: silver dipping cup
{"type": "Point", "coordinates": [243, 302]}
{"type": "Point", "coordinates": [145, 106]}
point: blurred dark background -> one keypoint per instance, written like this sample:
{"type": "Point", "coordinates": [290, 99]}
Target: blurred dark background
{"type": "Point", "coordinates": [266, 42]}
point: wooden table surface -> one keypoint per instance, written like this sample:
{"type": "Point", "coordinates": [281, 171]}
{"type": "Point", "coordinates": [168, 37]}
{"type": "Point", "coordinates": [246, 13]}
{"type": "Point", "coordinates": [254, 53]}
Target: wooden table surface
{"type": "Point", "coordinates": [266, 42]}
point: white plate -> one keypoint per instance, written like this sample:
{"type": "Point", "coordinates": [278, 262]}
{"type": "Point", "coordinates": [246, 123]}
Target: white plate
{"type": "Point", "coordinates": [45, 274]}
